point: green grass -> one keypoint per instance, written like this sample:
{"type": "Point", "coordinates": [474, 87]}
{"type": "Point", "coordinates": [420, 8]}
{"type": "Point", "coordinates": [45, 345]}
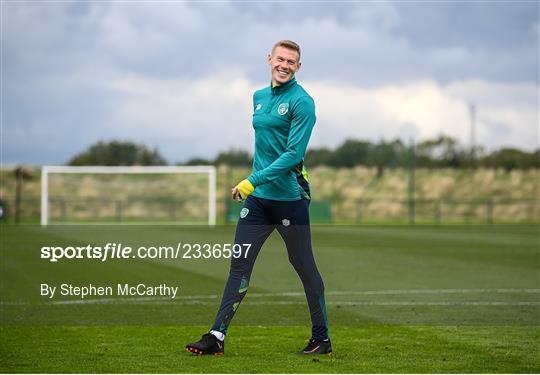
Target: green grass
{"type": "Point", "coordinates": [371, 349]}
{"type": "Point", "coordinates": [400, 299]}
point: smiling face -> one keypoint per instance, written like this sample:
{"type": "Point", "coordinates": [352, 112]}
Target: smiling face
{"type": "Point", "coordinates": [284, 63]}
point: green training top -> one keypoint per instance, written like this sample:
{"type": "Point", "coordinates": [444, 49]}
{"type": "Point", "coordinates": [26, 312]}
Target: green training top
{"type": "Point", "coordinates": [283, 118]}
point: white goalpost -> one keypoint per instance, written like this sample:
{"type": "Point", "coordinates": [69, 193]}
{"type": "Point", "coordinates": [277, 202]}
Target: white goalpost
{"type": "Point", "coordinates": [48, 170]}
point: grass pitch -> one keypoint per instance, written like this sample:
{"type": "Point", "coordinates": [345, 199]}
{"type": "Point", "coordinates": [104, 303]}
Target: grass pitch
{"type": "Point", "coordinates": [400, 299]}
{"type": "Point", "coordinates": [364, 349]}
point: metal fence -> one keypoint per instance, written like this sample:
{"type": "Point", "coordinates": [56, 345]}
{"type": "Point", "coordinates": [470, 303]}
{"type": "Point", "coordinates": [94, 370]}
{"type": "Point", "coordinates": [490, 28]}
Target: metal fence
{"type": "Point", "coordinates": [360, 211]}
{"type": "Point", "coordinates": [439, 211]}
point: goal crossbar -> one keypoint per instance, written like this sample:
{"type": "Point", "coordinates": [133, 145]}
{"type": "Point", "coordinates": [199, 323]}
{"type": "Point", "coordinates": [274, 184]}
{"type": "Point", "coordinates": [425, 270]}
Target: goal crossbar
{"type": "Point", "coordinates": [208, 169]}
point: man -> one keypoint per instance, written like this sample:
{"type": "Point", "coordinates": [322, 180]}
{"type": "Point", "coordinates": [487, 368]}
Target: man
{"type": "Point", "coordinates": [276, 196]}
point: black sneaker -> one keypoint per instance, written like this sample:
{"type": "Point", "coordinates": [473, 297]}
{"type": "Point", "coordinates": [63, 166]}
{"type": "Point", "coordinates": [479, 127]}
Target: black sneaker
{"type": "Point", "coordinates": [208, 344]}
{"type": "Point", "coordinates": [317, 347]}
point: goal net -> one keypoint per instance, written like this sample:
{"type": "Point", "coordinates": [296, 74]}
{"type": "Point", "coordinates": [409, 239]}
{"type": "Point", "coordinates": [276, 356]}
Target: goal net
{"type": "Point", "coordinates": [122, 195]}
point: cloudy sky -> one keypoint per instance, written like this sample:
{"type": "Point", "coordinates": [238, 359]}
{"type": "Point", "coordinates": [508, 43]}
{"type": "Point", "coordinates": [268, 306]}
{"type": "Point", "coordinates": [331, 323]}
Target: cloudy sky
{"type": "Point", "coordinates": [179, 75]}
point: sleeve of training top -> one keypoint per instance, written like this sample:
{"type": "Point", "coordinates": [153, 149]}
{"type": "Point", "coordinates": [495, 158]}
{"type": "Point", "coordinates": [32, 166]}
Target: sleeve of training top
{"type": "Point", "coordinates": [303, 120]}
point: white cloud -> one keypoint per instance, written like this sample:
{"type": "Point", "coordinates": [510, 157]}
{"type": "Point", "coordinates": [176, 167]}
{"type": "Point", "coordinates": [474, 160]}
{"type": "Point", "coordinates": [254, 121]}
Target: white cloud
{"type": "Point", "coordinates": [201, 116]}
{"type": "Point", "coordinates": [214, 113]}
{"type": "Point", "coordinates": [179, 76]}
{"type": "Point", "coordinates": [507, 114]}
{"type": "Point", "coordinates": [205, 115]}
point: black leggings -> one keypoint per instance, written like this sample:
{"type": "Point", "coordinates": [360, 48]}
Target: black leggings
{"type": "Point", "coordinates": [258, 219]}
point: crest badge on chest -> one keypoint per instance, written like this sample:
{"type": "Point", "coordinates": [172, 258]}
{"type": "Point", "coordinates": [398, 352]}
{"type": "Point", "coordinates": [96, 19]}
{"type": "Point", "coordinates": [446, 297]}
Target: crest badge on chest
{"type": "Point", "coordinates": [283, 108]}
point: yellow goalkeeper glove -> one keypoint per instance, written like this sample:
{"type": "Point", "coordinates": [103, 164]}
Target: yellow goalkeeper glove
{"type": "Point", "coordinates": [245, 188]}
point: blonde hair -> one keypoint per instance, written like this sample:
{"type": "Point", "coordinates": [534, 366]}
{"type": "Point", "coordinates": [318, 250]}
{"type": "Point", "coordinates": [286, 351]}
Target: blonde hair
{"type": "Point", "coordinates": [289, 44]}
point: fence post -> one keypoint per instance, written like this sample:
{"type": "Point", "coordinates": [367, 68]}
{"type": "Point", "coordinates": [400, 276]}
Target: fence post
{"type": "Point", "coordinates": [227, 195]}
{"type": "Point", "coordinates": [118, 210]}
{"type": "Point", "coordinates": [489, 211]}
{"type": "Point", "coordinates": [530, 211]}
{"type": "Point", "coordinates": [18, 192]}
{"type": "Point", "coordinates": [469, 213]}
{"type": "Point", "coordinates": [437, 211]}
{"type": "Point", "coordinates": [358, 211]}
{"type": "Point", "coordinates": [173, 209]}
{"type": "Point", "coordinates": [63, 209]}
{"type": "Point", "coordinates": [411, 202]}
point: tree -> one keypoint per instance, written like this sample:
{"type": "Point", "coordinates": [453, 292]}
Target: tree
{"type": "Point", "coordinates": [118, 153]}
{"type": "Point", "coordinates": [351, 153]}
{"type": "Point", "coordinates": [318, 156]}
{"type": "Point", "coordinates": [385, 155]}
{"type": "Point", "coordinates": [234, 158]}
{"type": "Point", "coordinates": [441, 152]}
{"type": "Point", "coordinates": [197, 161]}
{"type": "Point", "coordinates": [511, 158]}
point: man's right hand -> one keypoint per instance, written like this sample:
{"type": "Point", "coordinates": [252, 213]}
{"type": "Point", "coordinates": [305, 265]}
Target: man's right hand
{"type": "Point", "coordinates": [243, 190]}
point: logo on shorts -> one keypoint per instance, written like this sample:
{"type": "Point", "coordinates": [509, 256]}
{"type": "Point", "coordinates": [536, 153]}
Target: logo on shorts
{"type": "Point", "coordinates": [286, 222]}
{"type": "Point", "coordinates": [244, 212]}
{"type": "Point", "coordinates": [258, 106]}
{"type": "Point", "coordinates": [283, 108]}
